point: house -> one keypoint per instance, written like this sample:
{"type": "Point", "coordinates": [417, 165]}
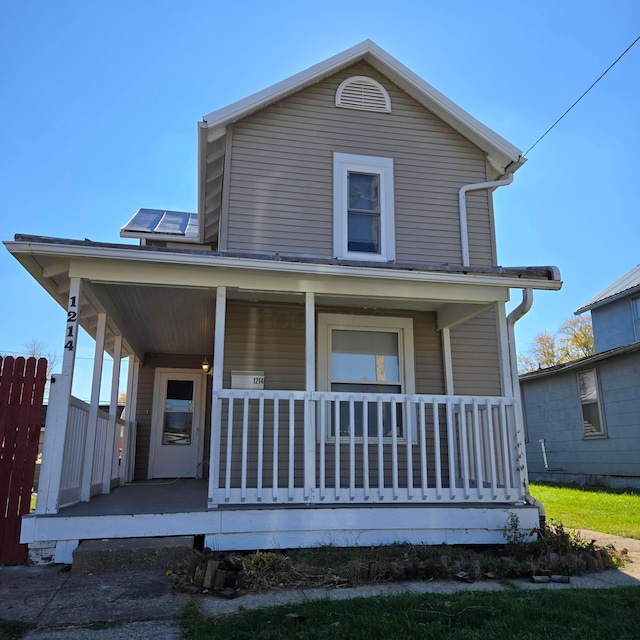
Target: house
{"type": "Point", "coordinates": [320, 354]}
{"type": "Point", "coordinates": [583, 417]}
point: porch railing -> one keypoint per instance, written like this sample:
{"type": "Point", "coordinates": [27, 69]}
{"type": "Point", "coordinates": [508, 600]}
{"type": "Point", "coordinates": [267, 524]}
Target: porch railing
{"type": "Point", "coordinates": [326, 447]}
{"type": "Point", "coordinates": [108, 453]}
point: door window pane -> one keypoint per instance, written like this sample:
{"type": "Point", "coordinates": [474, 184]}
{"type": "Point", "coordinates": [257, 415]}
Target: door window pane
{"type": "Point", "coordinates": [178, 413]}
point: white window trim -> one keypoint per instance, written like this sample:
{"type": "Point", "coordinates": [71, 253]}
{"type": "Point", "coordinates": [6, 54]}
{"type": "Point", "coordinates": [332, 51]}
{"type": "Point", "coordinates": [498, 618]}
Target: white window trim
{"type": "Point", "coordinates": [328, 322]}
{"type": "Point", "coordinates": [343, 163]}
{"type": "Point", "coordinates": [603, 433]}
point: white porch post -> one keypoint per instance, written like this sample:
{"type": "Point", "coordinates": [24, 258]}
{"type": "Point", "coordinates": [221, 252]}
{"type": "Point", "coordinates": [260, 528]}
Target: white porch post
{"type": "Point", "coordinates": [447, 362]}
{"type": "Point", "coordinates": [129, 446]}
{"type": "Point", "coordinates": [58, 410]}
{"type": "Point", "coordinates": [92, 424]}
{"type": "Point", "coordinates": [216, 385]}
{"type": "Point", "coordinates": [113, 433]}
{"type": "Point", "coordinates": [505, 359]}
{"type": "Point", "coordinates": [310, 414]}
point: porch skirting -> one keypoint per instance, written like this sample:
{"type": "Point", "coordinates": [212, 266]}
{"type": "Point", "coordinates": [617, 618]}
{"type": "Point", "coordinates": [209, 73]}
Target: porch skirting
{"type": "Point", "coordinates": [246, 529]}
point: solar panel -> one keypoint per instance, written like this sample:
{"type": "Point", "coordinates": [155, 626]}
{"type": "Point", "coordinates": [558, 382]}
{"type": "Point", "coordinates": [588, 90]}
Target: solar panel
{"type": "Point", "coordinates": [147, 222]}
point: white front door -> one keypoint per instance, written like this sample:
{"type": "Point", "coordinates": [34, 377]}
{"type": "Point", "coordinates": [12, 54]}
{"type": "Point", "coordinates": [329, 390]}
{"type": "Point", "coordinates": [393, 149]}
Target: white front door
{"type": "Point", "coordinates": [177, 424]}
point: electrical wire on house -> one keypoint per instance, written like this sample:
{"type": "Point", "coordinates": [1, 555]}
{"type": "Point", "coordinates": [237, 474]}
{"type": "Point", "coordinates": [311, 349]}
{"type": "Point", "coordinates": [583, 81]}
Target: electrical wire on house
{"type": "Point", "coordinates": [582, 96]}
{"type": "Point", "coordinates": [186, 474]}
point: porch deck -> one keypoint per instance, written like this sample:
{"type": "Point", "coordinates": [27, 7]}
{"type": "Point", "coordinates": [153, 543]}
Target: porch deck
{"type": "Point", "coordinates": [173, 496]}
{"type": "Point", "coordinates": [180, 508]}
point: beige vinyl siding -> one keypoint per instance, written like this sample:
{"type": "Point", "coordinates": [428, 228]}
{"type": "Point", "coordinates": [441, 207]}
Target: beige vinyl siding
{"type": "Point", "coordinates": [280, 182]}
{"type": "Point", "coordinates": [144, 412]}
{"type": "Point", "coordinates": [270, 338]}
{"type": "Point", "coordinates": [475, 356]}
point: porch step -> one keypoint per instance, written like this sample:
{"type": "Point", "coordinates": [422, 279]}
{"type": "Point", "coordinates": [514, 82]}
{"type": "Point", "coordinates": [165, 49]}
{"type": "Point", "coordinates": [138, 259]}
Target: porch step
{"type": "Point", "coordinates": [123, 554]}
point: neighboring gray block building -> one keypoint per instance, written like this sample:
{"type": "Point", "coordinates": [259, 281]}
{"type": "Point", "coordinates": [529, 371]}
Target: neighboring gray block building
{"type": "Point", "coordinates": [587, 412]}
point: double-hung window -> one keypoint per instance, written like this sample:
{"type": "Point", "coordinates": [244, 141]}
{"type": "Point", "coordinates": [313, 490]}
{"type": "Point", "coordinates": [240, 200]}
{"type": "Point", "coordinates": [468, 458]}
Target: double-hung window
{"type": "Point", "coordinates": [364, 355]}
{"type": "Point", "coordinates": [363, 209]}
{"type": "Point", "coordinates": [589, 400]}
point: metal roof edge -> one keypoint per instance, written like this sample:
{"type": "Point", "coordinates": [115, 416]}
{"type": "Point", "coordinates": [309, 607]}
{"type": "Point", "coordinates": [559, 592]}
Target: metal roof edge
{"type": "Point", "coordinates": [604, 301]}
{"type": "Point", "coordinates": [34, 245]}
{"type": "Point", "coordinates": [574, 364]}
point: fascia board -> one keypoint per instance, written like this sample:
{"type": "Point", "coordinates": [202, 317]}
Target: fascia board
{"type": "Point", "coordinates": [20, 248]}
{"type": "Point", "coordinates": [275, 92]}
{"type": "Point", "coordinates": [446, 109]}
{"type": "Point", "coordinates": [487, 139]}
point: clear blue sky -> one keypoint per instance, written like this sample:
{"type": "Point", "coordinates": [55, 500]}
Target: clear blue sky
{"type": "Point", "coordinates": [99, 103]}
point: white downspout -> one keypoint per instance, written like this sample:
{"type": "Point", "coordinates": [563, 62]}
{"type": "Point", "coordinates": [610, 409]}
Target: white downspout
{"type": "Point", "coordinates": [512, 318]}
{"type": "Point", "coordinates": [462, 201]}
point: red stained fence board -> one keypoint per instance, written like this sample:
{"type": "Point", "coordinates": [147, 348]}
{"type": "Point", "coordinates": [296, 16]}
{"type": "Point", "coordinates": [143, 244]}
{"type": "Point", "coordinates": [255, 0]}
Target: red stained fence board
{"type": "Point", "coordinates": [21, 391]}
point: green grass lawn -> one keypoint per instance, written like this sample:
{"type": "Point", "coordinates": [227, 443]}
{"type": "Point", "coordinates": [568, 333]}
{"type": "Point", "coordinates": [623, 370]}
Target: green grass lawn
{"type": "Point", "coordinates": [594, 614]}
{"type": "Point", "coordinates": [614, 511]}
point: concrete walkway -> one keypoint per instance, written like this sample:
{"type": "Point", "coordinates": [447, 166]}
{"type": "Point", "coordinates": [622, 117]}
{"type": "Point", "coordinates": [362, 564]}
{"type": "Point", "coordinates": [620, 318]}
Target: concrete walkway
{"type": "Point", "coordinates": [64, 603]}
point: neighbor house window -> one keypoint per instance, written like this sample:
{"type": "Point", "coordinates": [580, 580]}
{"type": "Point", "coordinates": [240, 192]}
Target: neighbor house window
{"type": "Point", "coordinates": [635, 303]}
{"type": "Point", "coordinates": [365, 355]}
{"type": "Point", "coordinates": [589, 399]}
{"type": "Point", "coordinates": [363, 207]}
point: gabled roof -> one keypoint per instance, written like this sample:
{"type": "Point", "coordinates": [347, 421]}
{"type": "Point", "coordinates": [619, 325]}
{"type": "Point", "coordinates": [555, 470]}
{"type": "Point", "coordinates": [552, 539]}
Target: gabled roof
{"type": "Point", "coordinates": [500, 152]}
{"type": "Point", "coordinates": [627, 284]}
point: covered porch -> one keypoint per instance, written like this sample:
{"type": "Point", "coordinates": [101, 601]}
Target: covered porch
{"type": "Point", "coordinates": [300, 441]}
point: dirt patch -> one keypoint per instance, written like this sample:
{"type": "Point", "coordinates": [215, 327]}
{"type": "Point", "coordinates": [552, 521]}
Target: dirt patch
{"type": "Point", "coordinates": [556, 553]}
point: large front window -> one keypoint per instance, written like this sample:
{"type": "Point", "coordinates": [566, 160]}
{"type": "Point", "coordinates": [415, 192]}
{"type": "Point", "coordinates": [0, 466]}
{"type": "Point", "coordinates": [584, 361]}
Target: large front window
{"type": "Point", "coordinates": [363, 207]}
{"type": "Point", "coordinates": [371, 357]}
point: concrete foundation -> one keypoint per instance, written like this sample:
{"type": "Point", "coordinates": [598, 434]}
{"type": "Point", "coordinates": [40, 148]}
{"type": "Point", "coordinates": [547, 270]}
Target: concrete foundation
{"type": "Point", "coordinates": [94, 556]}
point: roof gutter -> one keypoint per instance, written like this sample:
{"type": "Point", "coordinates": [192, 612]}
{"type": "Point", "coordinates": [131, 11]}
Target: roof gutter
{"type": "Point", "coordinates": [33, 247]}
{"type": "Point", "coordinates": [462, 201]}
{"type": "Point", "coordinates": [512, 318]}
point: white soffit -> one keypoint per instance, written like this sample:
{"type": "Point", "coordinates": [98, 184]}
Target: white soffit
{"type": "Point", "coordinates": [158, 223]}
{"type": "Point", "coordinates": [501, 152]}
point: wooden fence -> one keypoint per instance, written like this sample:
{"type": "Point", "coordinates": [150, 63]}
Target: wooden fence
{"type": "Point", "coordinates": [21, 391]}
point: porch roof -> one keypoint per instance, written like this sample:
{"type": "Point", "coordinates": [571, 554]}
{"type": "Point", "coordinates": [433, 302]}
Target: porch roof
{"type": "Point", "coordinates": [148, 292]}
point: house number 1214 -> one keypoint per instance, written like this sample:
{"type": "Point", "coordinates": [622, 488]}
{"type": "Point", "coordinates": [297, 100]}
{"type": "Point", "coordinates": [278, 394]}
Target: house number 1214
{"type": "Point", "coordinates": [72, 322]}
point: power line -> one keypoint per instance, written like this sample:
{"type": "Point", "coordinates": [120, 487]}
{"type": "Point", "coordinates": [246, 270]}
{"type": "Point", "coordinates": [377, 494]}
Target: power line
{"type": "Point", "coordinates": [582, 96]}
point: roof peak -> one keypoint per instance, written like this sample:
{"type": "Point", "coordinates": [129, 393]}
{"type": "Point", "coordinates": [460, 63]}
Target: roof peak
{"type": "Point", "coordinates": [501, 153]}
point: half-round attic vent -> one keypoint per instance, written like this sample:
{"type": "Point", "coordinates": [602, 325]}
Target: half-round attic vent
{"type": "Point", "coordinates": [366, 94]}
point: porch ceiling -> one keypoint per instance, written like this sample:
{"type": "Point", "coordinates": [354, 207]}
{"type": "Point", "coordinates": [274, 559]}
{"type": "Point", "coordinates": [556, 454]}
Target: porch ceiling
{"type": "Point", "coordinates": [161, 319]}
{"type": "Point", "coordinates": [164, 301]}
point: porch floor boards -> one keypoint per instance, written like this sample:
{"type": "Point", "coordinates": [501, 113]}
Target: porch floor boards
{"type": "Point", "coordinates": [171, 496]}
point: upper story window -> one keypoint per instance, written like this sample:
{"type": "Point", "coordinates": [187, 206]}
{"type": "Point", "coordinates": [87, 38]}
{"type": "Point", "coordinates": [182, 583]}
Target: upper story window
{"type": "Point", "coordinates": [363, 213]}
{"type": "Point", "coordinates": [635, 303]}
{"type": "Point", "coordinates": [365, 94]}
{"type": "Point", "coordinates": [590, 401]}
